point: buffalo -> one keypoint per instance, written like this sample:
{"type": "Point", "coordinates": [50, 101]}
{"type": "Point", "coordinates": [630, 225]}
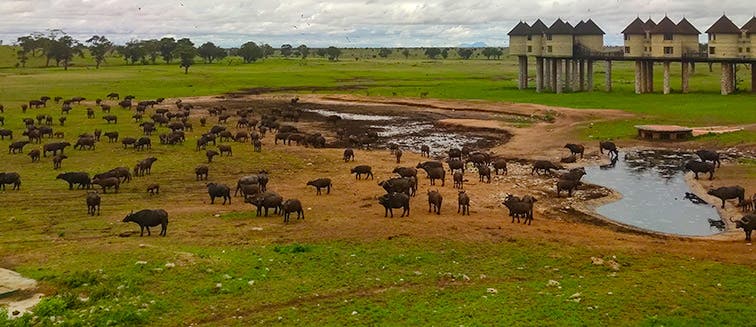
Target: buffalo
{"type": "Point", "coordinates": [34, 155]}
{"type": "Point", "coordinates": [434, 201]}
{"type": "Point", "coordinates": [108, 182]}
{"type": "Point", "coordinates": [708, 155]}
{"type": "Point", "coordinates": [700, 167]}
{"type": "Point", "coordinates": [575, 149]}
{"type": "Point", "coordinates": [17, 147]}
{"type": "Point", "coordinates": [149, 218]}
{"type": "Point", "coordinates": [153, 189]}
{"type": "Point", "coordinates": [93, 203]}
{"type": "Point", "coordinates": [520, 208]}
{"type": "Point", "coordinates": [266, 200]}
{"type": "Point", "coordinates": [363, 169]}
{"type": "Point", "coordinates": [394, 201]}
{"type": "Point", "coordinates": [463, 203]}
{"type": "Point", "coordinates": [545, 166]}
{"type": "Point", "coordinates": [292, 205]}
{"type": "Point", "coordinates": [201, 172]}
{"type": "Point", "coordinates": [610, 147]}
{"type": "Point", "coordinates": [321, 183]}
{"type": "Point", "coordinates": [747, 223]}
{"type": "Point", "coordinates": [58, 159]}
{"type": "Point", "coordinates": [54, 148]}
{"type": "Point", "coordinates": [72, 178]}
{"type": "Point", "coordinates": [728, 192]}
{"type": "Point", "coordinates": [398, 185]}
{"type": "Point", "coordinates": [10, 178]}
{"type": "Point", "coordinates": [219, 191]}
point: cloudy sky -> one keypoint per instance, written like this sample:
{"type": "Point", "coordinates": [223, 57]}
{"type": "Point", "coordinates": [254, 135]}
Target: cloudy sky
{"type": "Point", "coordinates": [344, 23]}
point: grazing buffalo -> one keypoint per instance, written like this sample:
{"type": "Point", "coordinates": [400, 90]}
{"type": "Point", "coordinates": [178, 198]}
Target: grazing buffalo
{"type": "Point", "coordinates": [201, 172]}
{"type": "Point", "coordinates": [149, 218]}
{"type": "Point", "coordinates": [456, 164]}
{"type": "Point", "coordinates": [484, 173]}
{"type": "Point", "coordinates": [225, 149]}
{"type": "Point", "coordinates": [363, 169]}
{"type": "Point", "coordinates": [292, 205]}
{"type": "Point", "coordinates": [463, 203]}
{"type": "Point", "coordinates": [219, 191]}
{"type": "Point", "coordinates": [34, 155]}
{"type": "Point", "coordinates": [434, 201]}
{"type": "Point", "coordinates": [567, 185]}
{"type": "Point", "coordinates": [398, 185]}
{"type": "Point", "coordinates": [153, 189]}
{"type": "Point", "coordinates": [144, 166]}
{"type": "Point", "coordinates": [58, 159]}
{"type": "Point", "coordinates": [93, 203]}
{"type": "Point", "coordinates": [700, 167]}
{"type": "Point", "coordinates": [118, 172]}
{"type": "Point", "coordinates": [574, 174]}
{"type": "Point", "coordinates": [747, 223]}
{"type": "Point", "coordinates": [85, 142]}
{"type": "Point", "coordinates": [246, 180]}
{"type": "Point", "coordinates": [436, 173]}
{"type": "Point", "coordinates": [545, 166]}
{"type": "Point", "coordinates": [520, 208]}
{"type": "Point", "coordinates": [266, 200]}
{"type": "Point", "coordinates": [394, 201]}
{"type": "Point", "coordinates": [128, 141]}
{"type": "Point", "coordinates": [79, 178]}
{"type": "Point", "coordinates": [425, 151]}
{"type": "Point", "coordinates": [429, 164]}
{"type": "Point", "coordinates": [405, 171]}
{"type": "Point", "coordinates": [610, 147]}
{"type": "Point", "coordinates": [459, 180]}
{"type": "Point", "coordinates": [10, 178]}
{"type": "Point", "coordinates": [107, 183]}
{"type": "Point", "coordinates": [728, 192]}
{"type": "Point", "coordinates": [112, 137]}
{"type": "Point", "coordinates": [500, 164]}
{"type": "Point", "coordinates": [6, 132]}
{"type": "Point", "coordinates": [575, 149]}
{"type": "Point", "coordinates": [111, 119]}
{"type": "Point", "coordinates": [54, 148]}
{"type": "Point", "coordinates": [142, 143]}
{"type": "Point", "coordinates": [708, 155]}
{"type": "Point", "coordinates": [17, 147]}
{"type": "Point", "coordinates": [210, 154]}
{"type": "Point", "coordinates": [321, 183]}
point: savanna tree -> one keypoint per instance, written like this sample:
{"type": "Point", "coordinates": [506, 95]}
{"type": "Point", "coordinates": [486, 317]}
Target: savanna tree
{"type": "Point", "coordinates": [209, 52]}
{"type": "Point", "coordinates": [286, 50]}
{"type": "Point", "coordinates": [432, 53]}
{"type": "Point", "coordinates": [465, 53]}
{"type": "Point", "coordinates": [250, 52]}
{"type": "Point", "coordinates": [384, 52]}
{"type": "Point", "coordinates": [333, 53]}
{"type": "Point", "coordinates": [99, 47]}
{"type": "Point", "coordinates": [185, 52]}
{"type": "Point", "coordinates": [303, 51]}
{"type": "Point", "coordinates": [166, 46]}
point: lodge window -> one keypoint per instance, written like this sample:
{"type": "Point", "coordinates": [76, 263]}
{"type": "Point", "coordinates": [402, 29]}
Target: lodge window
{"type": "Point", "coordinates": [748, 49]}
{"type": "Point", "coordinates": [550, 49]}
{"type": "Point", "coordinates": [548, 37]}
{"type": "Point", "coordinates": [668, 37]}
{"type": "Point", "coordinates": [669, 50]}
{"type": "Point", "coordinates": [530, 38]}
{"type": "Point", "coordinates": [627, 49]}
{"type": "Point", "coordinates": [712, 37]}
{"type": "Point", "coordinates": [627, 37]}
{"type": "Point", "coordinates": [530, 48]}
{"type": "Point", "coordinates": [712, 50]}
{"type": "Point", "coordinates": [740, 49]}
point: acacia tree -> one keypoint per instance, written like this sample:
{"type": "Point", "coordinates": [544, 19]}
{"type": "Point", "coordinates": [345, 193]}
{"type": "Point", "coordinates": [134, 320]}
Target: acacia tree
{"type": "Point", "coordinates": [465, 53]}
{"type": "Point", "coordinates": [22, 57]}
{"type": "Point", "coordinates": [99, 47]}
{"type": "Point", "coordinates": [250, 52]}
{"type": "Point", "coordinates": [185, 52]}
{"type": "Point", "coordinates": [445, 53]}
{"type": "Point", "coordinates": [64, 49]}
{"type": "Point", "coordinates": [333, 53]}
{"type": "Point", "coordinates": [209, 52]}
{"type": "Point", "coordinates": [492, 52]}
{"type": "Point", "coordinates": [151, 50]}
{"type": "Point", "coordinates": [303, 51]}
{"type": "Point", "coordinates": [166, 46]}
{"type": "Point", "coordinates": [286, 50]}
{"type": "Point", "coordinates": [267, 50]}
{"type": "Point", "coordinates": [432, 53]}
{"type": "Point", "coordinates": [384, 52]}
{"type": "Point", "coordinates": [132, 51]}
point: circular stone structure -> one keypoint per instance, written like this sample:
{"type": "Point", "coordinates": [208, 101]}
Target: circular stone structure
{"type": "Point", "coordinates": [663, 132]}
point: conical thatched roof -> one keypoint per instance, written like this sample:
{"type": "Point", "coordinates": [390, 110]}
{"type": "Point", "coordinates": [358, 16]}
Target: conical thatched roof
{"type": "Point", "coordinates": [750, 27]}
{"type": "Point", "coordinates": [520, 29]}
{"type": "Point", "coordinates": [635, 27]}
{"type": "Point", "coordinates": [665, 26]}
{"type": "Point", "coordinates": [538, 27]}
{"type": "Point", "coordinates": [723, 26]}
{"type": "Point", "coordinates": [588, 28]}
{"type": "Point", "coordinates": [685, 27]}
{"type": "Point", "coordinates": [560, 27]}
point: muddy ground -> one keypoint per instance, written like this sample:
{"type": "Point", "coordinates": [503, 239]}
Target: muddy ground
{"type": "Point", "coordinates": [563, 219]}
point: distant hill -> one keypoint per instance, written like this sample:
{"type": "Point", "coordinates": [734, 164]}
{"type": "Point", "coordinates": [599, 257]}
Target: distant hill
{"type": "Point", "coordinates": [473, 45]}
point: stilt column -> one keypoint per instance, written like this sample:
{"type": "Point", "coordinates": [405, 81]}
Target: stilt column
{"type": "Point", "coordinates": [567, 75]}
{"type": "Point", "coordinates": [726, 79]}
{"type": "Point", "coordinates": [639, 69]}
{"type": "Point", "coordinates": [559, 75]}
{"type": "Point", "coordinates": [650, 77]}
{"type": "Point", "coordinates": [607, 76]}
{"type": "Point", "coordinates": [753, 78]}
{"type": "Point", "coordinates": [684, 74]}
{"type": "Point", "coordinates": [539, 75]}
{"type": "Point", "coordinates": [581, 75]}
{"type": "Point", "coordinates": [666, 77]}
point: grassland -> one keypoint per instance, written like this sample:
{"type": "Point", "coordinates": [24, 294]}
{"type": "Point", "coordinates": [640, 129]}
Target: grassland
{"type": "Point", "coordinates": [224, 266]}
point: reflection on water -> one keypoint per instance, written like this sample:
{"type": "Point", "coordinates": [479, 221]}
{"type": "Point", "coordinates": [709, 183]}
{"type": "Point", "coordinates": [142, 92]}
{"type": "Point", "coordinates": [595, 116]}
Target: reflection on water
{"type": "Point", "coordinates": [653, 191]}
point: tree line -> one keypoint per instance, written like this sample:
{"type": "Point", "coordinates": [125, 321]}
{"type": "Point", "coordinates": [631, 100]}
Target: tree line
{"type": "Point", "coordinates": [60, 48]}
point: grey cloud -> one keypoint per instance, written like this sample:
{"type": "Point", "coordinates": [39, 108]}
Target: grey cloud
{"type": "Point", "coordinates": [341, 22]}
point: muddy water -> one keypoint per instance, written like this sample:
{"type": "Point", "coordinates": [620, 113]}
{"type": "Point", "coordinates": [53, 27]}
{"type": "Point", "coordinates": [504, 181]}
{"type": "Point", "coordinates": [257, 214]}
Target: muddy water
{"type": "Point", "coordinates": [653, 190]}
{"type": "Point", "coordinates": [412, 132]}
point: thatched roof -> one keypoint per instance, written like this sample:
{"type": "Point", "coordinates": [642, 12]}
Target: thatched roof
{"type": "Point", "coordinates": [538, 27]}
{"type": "Point", "coordinates": [560, 27]}
{"type": "Point", "coordinates": [665, 26]}
{"type": "Point", "coordinates": [588, 28]}
{"type": "Point", "coordinates": [649, 25]}
{"type": "Point", "coordinates": [635, 27]}
{"type": "Point", "coordinates": [723, 26]}
{"type": "Point", "coordinates": [750, 27]}
{"type": "Point", "coordinates": [686, 28]}
{"type": "Point", "coordinates": [521, 29]}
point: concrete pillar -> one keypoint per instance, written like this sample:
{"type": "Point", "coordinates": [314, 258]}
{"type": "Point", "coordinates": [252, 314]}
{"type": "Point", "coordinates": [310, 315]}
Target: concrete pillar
{"type": "Point", "coordinates": [539, 74]}
{"type": "Point", "coordinates": [547, 74]}
{"type": "Point", "coordinates": [734, 84]}
{"type": "Point", "coordinates": [576, 76]}
{"type": "Point", "coordinates": [650, 77]}
{"type": "Point", "coordinates": [753, 77]}
{"type": "Point", "coordinates": [554, 79]}
{"type": "Point", "coordinates": [559, 83]}
{"type": "Point", "coordinates": [581, 75]}
{"type": "Point", "coordinates": [525, 72]}
{"type": "Point", "coordinates": [726, 78]}
{"type": "Point", "coordinates": [667, 88]}
{"type": "Point", "coordinates": [685, 77]}
{"type": "Point", "coordinates": [639, 69]}
{"type": "Point", "coordinates": [519, 72]}
{"type": "Point", "coordinates": [589, 75]}
{"type": "Point", "coordinates": [692, 67]}
{"type": "Point", "coordinates": [567, 75]}
{"type": "Point", "coordinates": [608, 76]}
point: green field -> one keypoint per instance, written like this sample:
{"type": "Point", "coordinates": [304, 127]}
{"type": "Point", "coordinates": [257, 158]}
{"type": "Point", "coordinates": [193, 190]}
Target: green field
{"type": "Point", "coordinates": [222, 272]}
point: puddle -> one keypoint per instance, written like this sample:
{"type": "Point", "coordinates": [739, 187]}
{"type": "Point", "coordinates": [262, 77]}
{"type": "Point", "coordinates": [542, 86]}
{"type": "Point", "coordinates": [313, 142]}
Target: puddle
{"type": "Point", "coordinates": [653, 191]}
{"type": "Point", "coordinates": [412, 132]}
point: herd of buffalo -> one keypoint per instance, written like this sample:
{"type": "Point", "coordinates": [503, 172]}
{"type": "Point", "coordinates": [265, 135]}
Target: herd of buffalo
{"type": "Point", "coordinates": [399, 190]}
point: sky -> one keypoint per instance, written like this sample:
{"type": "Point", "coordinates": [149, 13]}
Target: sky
{"type": "Point", "coordinates": [342, 23]}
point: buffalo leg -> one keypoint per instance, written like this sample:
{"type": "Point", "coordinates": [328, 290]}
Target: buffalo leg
{"type": "Point", "coordinates": [141, 231]}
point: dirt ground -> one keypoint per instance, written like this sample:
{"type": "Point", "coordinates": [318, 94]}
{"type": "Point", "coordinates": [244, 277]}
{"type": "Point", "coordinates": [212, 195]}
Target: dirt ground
{"type": "Point", "coordinates": [351, 211]}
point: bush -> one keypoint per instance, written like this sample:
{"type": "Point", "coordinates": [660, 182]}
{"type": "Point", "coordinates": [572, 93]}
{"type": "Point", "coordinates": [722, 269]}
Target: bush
{"type": "Point", "coordinates": [50, 307]}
